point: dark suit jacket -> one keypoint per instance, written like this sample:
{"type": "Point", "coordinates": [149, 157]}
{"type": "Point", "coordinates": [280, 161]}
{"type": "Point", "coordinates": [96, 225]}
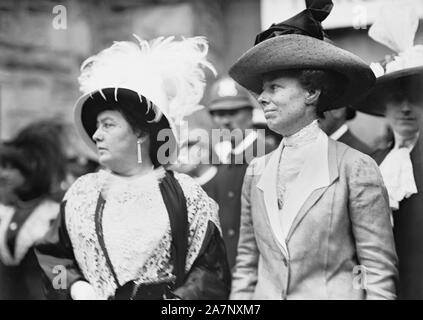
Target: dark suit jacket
{"type": "Point", "coordinates": [352, 141]}
{"type": "Point", "coordinates": [227, 185]}
{"type": "Point", "coordinates": [225, 188]}
{"type": "Point", "coordinates": [408, 230]}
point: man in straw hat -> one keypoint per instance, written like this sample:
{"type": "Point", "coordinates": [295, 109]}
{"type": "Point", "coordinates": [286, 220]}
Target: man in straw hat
{"type": "Point", "coordinates": [398, 96]}
{"type": "Point", "coordinates": [315, 213]}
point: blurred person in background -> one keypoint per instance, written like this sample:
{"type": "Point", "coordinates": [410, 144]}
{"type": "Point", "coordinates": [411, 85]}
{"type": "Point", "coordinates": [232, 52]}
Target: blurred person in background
{"type": "Point", "coordinates": [334, 124]}
{"type": "Point", "coordinates": [198, 163]}
{"type": "Point", "coordinates": [231, 108]}
{"type": "Point", "coordinates": [398, 96]}
{"type": "Point", "coordinates": [32, 173]}
{"type": "Point", "coordinates": [79, 160]}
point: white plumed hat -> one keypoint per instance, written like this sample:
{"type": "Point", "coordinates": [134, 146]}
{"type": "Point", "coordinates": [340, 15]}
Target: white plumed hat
{"type": "Point", "coordinates": [166, 77]}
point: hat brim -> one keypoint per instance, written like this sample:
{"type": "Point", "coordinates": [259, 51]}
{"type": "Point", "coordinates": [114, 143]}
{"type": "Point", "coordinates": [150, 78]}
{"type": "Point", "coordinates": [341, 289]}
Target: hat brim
{"type": "Point", "coordinates": [295, 51]}
{"type": "Point", "coordinates": [373, 103]}
{"type": "Point", "coordinates": [230, 104]}
{"type": "Point", "coordinates": [84, 120]}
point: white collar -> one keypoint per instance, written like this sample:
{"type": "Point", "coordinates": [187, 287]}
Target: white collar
{"type": "Point", "coordinates": [306, 135]}
{"type": "Point", "coordinates": [314, 175]}
{"type": "Point", "coordinates": [111, 181]}
{"type": "Point", "coordinates": [252, 136]}
{"type": "Point", "coordinates": [339, 132]}
{"type": "Point", "coordinates": [223, 149]}
{"type": "Point", "coordinates": [397, 172]}
{"type": "Point", "coordinates": [409, 144]}
{"type": "Point", "coordinates": [206, 176]}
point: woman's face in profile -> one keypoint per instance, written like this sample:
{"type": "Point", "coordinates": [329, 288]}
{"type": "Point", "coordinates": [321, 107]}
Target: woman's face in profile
{"type": "Point", "coordinates": [115, 140]}
{"type": "Point", "coordinates": [283, 103]}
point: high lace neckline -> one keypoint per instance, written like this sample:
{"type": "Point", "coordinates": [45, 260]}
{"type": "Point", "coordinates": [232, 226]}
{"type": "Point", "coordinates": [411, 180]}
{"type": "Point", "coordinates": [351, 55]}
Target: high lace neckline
{"type": "Point", "coordinates": [109, 181]}
{"type": "Point", "coordinates": [306, 135]}
{"type": "Point", "coordinates": [155, 172]}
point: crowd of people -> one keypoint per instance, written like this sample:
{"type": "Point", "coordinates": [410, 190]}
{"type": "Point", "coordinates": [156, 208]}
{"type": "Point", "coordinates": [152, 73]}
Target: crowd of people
{"type": "Point", "coordinates": [315, 213]}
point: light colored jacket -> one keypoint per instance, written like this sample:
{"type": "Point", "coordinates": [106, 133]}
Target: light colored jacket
{"type": "Point", "coordinates": [340, 244]}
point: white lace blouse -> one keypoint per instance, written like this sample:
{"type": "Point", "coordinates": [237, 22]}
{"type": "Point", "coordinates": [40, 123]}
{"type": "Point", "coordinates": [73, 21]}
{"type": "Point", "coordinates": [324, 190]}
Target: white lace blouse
{"type": "Point", "coordinates": [297, 148]}
{"type": "Point", "coordinates": [135, 227]}
{"type": "Point", "coordinates": [131, 234]}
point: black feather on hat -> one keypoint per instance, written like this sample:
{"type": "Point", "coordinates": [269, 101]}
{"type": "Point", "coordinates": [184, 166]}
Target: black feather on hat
{"type": "Point", "coordinates": [299, 43]}
{"type": "Point", "coordinates": [307, 22]}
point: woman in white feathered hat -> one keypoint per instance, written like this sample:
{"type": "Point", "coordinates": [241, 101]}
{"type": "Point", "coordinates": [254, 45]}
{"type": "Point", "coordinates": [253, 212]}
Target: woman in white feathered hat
{"type": "Point", "coordinates": [137, 230]}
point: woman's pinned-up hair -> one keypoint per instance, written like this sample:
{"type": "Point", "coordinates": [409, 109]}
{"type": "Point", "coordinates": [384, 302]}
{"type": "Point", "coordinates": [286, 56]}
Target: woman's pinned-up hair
{"type": "Point", "coordinates": [330, 83]}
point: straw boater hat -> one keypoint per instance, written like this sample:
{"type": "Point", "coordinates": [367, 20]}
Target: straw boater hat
{"type": "Point", "coordinates": [395, 29]}
{"type": "Point", "coordinates": [298, 43]}
{"type": "Point", "coordinates": [160, 81]}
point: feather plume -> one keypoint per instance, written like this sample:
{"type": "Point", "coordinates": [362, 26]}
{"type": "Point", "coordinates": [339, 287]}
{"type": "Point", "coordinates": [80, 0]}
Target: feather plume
{"type": "Point", "coordinates": [168, 72]}
{"type": "Point", "coordinates": [395, 28]}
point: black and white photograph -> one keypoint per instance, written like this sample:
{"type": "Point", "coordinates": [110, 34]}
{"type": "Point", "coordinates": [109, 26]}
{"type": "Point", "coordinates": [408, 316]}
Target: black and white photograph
{"type": "Point", "coordinates": [228, 151]}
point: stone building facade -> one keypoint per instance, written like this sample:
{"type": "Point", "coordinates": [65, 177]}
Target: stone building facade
{"type": "Point", "coordinates": [43, 42]}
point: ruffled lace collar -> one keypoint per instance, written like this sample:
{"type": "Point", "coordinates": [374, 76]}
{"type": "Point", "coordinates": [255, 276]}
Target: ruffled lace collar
{"type": "Point", "coordinates": [397, 171]}
{"type": "Point", "coordinates": [306, 135]}
{"type": "Point", "coordinates": [110, 181]}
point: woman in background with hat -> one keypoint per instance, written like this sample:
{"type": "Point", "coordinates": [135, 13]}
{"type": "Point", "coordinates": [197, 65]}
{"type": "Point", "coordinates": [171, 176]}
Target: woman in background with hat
{"type": "Point", "coordinates": [315, 214]}
{"type": "Point", "coordinates": [398, 96]}
{"type": "Point", "coordinates": [137, 230]}
{"type": "Point", "coordinates": [32, 174]}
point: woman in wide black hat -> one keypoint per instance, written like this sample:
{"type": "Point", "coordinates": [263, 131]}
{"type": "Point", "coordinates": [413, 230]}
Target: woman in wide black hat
{"type": "Point", "coordinates": [315, 214]}
{"type": "Point", "coordinates": [398, 96]}
{"type": "Point", "coordinates": [136, 230]}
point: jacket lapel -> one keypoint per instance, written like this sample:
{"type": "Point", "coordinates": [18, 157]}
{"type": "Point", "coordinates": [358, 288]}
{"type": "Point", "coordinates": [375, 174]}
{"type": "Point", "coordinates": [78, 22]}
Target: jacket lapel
{"type": "Point", "coordinates": [317, 175]}
{"type": "Point", "coordinates": [267, 184]}
{"type": "Point", "coordinates": [416, 156]}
